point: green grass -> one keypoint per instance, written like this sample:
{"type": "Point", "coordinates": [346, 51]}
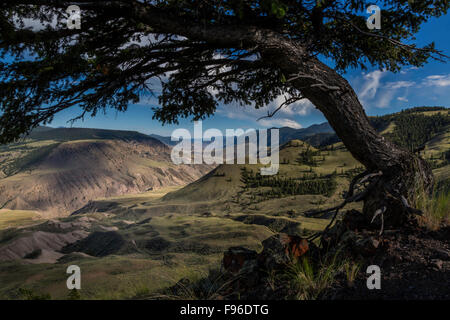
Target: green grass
{"type": "Point", "coordinates": [17, 218]}
{"type": "Point", "coordinates": [221, 191]}
{"type": "Point", "coordinates": [308, 280]}
{"type": "Point", "coordinates": [112, 277]}
{"type": "Point", "coordinates": [436, 208]}
{"type": "Point", "coordinates": [196, 245]}
{"type": "Point", "coordinates": [442, 173]}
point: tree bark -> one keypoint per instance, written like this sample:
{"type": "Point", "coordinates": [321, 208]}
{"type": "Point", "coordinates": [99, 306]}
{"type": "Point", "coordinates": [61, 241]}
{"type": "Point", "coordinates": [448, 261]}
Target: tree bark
{"type": "Point", "coordinates": [404, 174]}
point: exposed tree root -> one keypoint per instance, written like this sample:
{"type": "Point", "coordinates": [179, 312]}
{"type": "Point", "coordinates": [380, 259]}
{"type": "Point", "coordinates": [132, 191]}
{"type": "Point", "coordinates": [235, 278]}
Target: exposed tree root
{"type": "Point", "coordinates": [350, 197]}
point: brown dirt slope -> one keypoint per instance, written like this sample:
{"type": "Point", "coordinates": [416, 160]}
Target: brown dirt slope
{"type": "Point", "coordinates": [414, 263]}
{"type": "Point", "coordinates": [66, 177]}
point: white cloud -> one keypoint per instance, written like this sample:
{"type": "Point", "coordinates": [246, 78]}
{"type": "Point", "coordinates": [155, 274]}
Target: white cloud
{"type": "Point", "coordinates": [284, 117]}
{"type": "Point", "coordinates": [437, 81]}
{"type": "Point", "coordinates": [399, 84]}
{"type": "Point", "coordinates": [385, 98]}
{"type": "Point", "coordinates": [379, 94]}
{"type": "Point", "coordinates": [408, 70]}
{"type": "Point", "coordinates": [301, 108]}
{"type": "Point", "coordinates": [270, 122]}
{"type": "Point", "coordinates": [372, 84]}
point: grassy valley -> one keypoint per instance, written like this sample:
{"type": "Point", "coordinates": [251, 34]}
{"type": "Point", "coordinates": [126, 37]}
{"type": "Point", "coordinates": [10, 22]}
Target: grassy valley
{"type": "Point", "coordinates": [135, 245]}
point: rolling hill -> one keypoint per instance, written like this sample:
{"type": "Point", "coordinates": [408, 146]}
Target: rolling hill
{"type": "Point", "coordinates": [224, 184]}
{"type": "Point", "coordinates": [394, 126]}
{"type": "Point", "coordinates": [57, 171]}
{"type": "Point", "coordinates": [308, 178]}
{"type": "Point", "coordinates": [134, 245]}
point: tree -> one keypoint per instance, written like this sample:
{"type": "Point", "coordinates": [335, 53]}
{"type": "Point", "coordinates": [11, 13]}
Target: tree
{"type": "Point", "coordinates": [217, 51]}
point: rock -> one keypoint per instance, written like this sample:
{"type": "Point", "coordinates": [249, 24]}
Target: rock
{"type": "Point", "coordinates": [206, 214]}
{"type": "Point", "coordinates": [280, 248]}
{"type": "Point", "coordinates": [274, 251]}
{"type": "Point", "coordinates": [366, 246]}
{"type": "Point", "coordinates": [297, 246]}
{"type": "Point", "coordinates": [239, 259]}
{"type": "Point", "coordinates": [442, 254]}
{"type": "Point", "coordinates": [254, 268]}
{"type": "Point", "coordinates": [353, 220]}
{"type": "Point", "coordinates": [277, 250]}
{"type": "Point", "coordinates": [359, 243]}
{"type": "Point", "coordinates": [349, 237]}
{"type": "Point", "coordinates": [437, 263]}
{"type": "Point", "coordinates": [334, 235]}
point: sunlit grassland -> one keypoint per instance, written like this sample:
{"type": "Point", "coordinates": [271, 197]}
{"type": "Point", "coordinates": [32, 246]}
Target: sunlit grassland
{"type": "Point", "coordinates": [17, 218]}
{"type": "Point", "coordinates": [197, 244]}
{"type": "Point", "coordinates": [111, 277]}
{"type": "Point", "coordinates": [436, 207]}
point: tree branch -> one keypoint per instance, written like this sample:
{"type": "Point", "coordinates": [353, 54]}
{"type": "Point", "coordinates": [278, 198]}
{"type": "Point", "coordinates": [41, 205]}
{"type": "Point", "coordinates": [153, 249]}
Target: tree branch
{"type": "Point", "coordinates": [287, 102]}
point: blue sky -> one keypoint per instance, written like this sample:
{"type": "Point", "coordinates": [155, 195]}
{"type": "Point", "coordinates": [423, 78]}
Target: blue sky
{"type": "Point", "coordinates": [380, 92]}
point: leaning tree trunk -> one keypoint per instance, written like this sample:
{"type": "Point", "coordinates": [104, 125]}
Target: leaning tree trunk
{"type": "Point", "coordinates": [403, 173]}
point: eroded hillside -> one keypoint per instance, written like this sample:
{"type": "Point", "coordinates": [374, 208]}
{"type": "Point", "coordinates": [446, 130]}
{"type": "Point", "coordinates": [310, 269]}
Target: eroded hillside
{"type": "Point", "coordinates": [135, 245]}
{"type": "Point", "coordinates": [58, 177]}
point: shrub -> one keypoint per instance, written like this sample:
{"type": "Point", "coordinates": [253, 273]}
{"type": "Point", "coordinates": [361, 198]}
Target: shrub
{"type": "Point", "coordinates": [310, 280]}
{"type": "Point", "coordinates": [435, 207]}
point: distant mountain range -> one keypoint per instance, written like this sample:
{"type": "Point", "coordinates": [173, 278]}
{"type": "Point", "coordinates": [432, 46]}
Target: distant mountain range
{"type": "Point", "coordinates": [69, 134]}
{"type": "Point", "coordinates": [315, 134]}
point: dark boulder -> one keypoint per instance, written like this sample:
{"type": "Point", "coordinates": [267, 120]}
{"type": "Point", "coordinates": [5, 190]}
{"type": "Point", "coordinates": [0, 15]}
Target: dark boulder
{"type": "Point", "coordinates": [280, 249]}
{"type": "Point", "coordinates": [239, 259]}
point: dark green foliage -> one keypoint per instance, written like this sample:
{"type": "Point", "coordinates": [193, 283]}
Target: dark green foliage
{"type": "Point", "coordinates": [402, 133]}
{"type": "Point", "coordinates": [219, 174]}
{"type": "Point", "coordinates": [424, 109]}
{"type": "Point", "coordinates": [446, 156]}
{"type": "Point", "coordinates": [441, 161]}
{"type": "Point", "coordinates": [182, 58]}
{"type": "Point", "coordinates": [281, 187]}
{"type": "Point", "coordinates": [320, 140]}
{"type": "Point", "coordinates": [442, 186]}
{"type": "Point", "coordinates": [414, 130]}
{"type": "Point", "coordinates": [309, 157]}
{"type": "Point", "coordinates": [74, 294]}
{"type": "Point", "coordinates": [28, 294]}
